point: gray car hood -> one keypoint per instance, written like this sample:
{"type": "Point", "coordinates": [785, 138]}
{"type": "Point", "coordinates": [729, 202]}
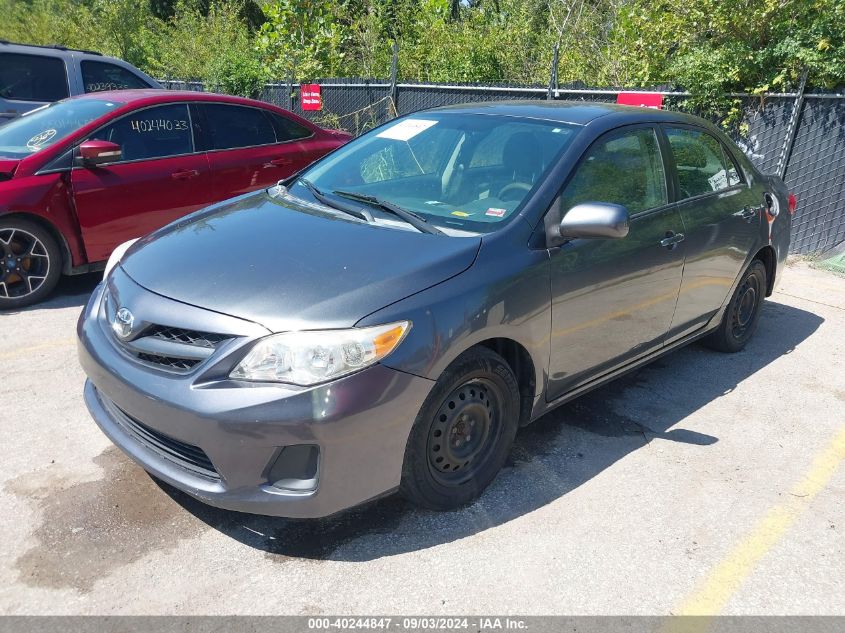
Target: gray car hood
{"type": "Point", "coordinates": [264, 259]}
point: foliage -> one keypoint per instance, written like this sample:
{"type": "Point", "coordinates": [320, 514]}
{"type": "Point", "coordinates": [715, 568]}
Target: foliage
{"type": "Point", "coordinates": [198, 45]}
{"type": "Point", "coordinates": [236, 74]}
{"type": "Point", "coordinates": [710, 47]}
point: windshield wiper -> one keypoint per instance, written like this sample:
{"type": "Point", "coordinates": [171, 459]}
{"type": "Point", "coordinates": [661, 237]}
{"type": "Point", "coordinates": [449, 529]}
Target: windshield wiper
{"type": "Point", "coordinates": [419, 223]}
{"type": "Point", "coordinates": [354, 211]}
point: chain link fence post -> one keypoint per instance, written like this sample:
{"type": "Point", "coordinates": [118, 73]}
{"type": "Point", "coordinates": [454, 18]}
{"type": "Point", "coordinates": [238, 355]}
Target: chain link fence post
{"type": "Point", "coordinates": [792, 128]}
{"type": "Point", "coordinates": [553, 84]}
{"type": "Point", "coordinates": [394, 89]}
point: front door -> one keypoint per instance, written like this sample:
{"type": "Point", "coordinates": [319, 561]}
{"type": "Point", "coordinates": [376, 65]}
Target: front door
{"type": "Point", "coordinates": [613, 299]}
{"type": "Point", "coordinates": [722, 216]}
{"type": "Point", "coordinates": [159, 178]}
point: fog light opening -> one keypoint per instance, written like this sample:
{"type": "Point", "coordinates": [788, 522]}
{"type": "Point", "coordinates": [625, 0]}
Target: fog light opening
{"type": "Point", "coordinates": [296, 469]}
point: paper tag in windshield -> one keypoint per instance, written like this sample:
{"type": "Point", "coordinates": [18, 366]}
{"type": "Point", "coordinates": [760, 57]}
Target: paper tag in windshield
{"type": "Point", "coordinates": [496, 213]}
{"type": "Point", "coordinates": [406, 130]}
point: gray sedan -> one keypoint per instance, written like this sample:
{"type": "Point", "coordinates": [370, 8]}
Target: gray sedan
{"type": "Point", "coordinates": [388, 318]}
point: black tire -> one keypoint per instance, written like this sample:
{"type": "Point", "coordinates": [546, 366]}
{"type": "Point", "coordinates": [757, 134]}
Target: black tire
{"type": "Point", "coordinates": [446, 466]}
{"type": "Point", "coordinates": [30, 263]}
{"type": "Point", "coordinates": [740, 319]}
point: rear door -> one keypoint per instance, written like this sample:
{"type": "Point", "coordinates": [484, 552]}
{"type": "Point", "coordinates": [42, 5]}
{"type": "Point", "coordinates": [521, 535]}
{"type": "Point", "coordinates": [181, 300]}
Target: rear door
{"type": "Point", "coordinates": [613, 299]}
{"type": "Point", "coordinates": [722, 216]}
{"type": "Point", "coordinates": [250, 148]}
{"type": "Point", "coordinates": [29, 81]}
{"type": "Point", "coordinates": [161, 177]}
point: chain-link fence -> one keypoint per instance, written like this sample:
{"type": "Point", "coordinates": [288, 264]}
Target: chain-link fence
{"type": "Point", "coordinates": [814, 169]}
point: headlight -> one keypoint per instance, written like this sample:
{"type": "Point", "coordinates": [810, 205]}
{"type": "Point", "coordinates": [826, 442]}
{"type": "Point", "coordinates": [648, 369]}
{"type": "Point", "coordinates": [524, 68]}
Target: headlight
{"type": "Point", "coordinates": [308, 358]}
{"type": "Point", "coordinates": [115, 256]}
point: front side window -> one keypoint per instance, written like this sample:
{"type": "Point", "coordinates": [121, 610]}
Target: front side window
{"type": "Point", "coordinates": [231, 126]}
{"type": "Point", "coordinates": [702, 164]}
{"type": "Point", "coordinates": [467, 171]}
{"type": "Point", "coordinates": [32, 78]}
{"type": "Point", "coordinates": [41, 128]}
{"type": "Point", "coordinates": [99, 76]}
{"type": "Point", "coordinates": [622, 168]}
{"type": "Point", "coordinates": [151, 133]}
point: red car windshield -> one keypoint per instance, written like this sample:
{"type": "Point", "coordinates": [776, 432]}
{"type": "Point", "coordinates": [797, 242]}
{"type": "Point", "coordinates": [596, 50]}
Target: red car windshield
{"type": "Point", "coordinates": [41, 128]}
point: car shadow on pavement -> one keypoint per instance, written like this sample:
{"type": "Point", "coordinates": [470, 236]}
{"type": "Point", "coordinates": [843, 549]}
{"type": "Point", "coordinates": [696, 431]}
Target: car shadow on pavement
{"type": "Point", "coordinates": [553, 456]}
{"type": "Point", "coordinates": [72, 291]}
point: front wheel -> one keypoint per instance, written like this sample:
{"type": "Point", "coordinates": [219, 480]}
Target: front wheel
{"type": "Point", "coordinates": [31, 263]}
{"type": "Point", "coordinates": [743, 312]}
{"type": "Point", "coordinates": [463, 433]}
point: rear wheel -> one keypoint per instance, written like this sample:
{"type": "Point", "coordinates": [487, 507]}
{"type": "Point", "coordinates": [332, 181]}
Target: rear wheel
{"type": "Point", "coordinates": [31, 263]}
{"type": "Point", "coordinates": [743, 312]}
{"type": "Point", "coordinates": [463, 433]}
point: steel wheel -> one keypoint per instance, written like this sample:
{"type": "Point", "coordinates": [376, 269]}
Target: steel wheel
{"type": "Point", "coordinates": [30, 262]}
{"type": "Point", "coordinates": [463, 432]}
{"type": "Point", "coordinates": [745, 306]}
{"type": "Point", "coordinates": [465, 429]}
{"type": "Point", "coordinates": [742, 313]}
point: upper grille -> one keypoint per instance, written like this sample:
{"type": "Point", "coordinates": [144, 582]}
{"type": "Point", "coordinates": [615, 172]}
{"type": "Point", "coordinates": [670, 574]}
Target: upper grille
{"type": "Point", "coordinates": [189, 337]}
{"type": "Point", "coordinates": [188, 456]}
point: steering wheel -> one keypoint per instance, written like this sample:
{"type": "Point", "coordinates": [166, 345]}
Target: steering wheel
{"type": "Point", "coordinates": [512, 186]}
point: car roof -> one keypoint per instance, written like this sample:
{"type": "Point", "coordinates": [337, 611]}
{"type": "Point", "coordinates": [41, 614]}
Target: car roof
{"type": "Point", "coordinates": [149, 96]}
{"type": "Point", "coordinates": [53, 50]}
{"type": "Point", "coordinates": [573, 112]}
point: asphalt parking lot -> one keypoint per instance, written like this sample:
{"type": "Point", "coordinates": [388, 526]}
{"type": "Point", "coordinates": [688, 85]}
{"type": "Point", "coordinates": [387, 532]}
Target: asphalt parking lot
{"type": "Point", "coordinates": [704, 483]}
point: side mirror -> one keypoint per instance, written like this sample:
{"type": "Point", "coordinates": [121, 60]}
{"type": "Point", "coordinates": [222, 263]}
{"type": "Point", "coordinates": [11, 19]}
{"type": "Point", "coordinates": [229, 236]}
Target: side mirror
{"type": "Point", "coordinates": [600, 220]}
{"type": "Point", "coordinates": [95, 152]}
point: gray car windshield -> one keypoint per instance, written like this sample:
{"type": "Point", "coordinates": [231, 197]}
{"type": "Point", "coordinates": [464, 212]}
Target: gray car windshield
{"type": "Point", "coordinates": [469, 172]}
{"type": "Point", "coordinates": [45, 126]}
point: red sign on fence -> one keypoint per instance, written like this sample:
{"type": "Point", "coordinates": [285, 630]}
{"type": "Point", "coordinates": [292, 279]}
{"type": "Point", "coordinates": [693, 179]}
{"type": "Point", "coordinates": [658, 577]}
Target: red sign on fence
{"type": "Point", "coordinates": [311, 98]}
{"type": "Point", "coordinates": [641, 99]}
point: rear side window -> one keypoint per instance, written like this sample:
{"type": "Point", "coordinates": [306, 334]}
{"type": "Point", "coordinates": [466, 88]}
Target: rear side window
{"type": "Point", "coordinates": [152, 133]}
{"type": "Point", "coordinates": [703, 166]}
{"type": "Point", "coordinates": [32, 78]}
{"type": "Point", "coordinates": [230, 126]}
{"type": "Point", "coordinates": [99, 76]}
{"type": "Point", "coordinates": [287, 130]}
{"type": "Point", "coordinates": [621, 168]}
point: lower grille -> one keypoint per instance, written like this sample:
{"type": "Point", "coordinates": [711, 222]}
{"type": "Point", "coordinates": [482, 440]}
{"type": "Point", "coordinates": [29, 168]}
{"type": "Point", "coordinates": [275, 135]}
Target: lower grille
{"type": "Point", "coordinates": [188, 456]}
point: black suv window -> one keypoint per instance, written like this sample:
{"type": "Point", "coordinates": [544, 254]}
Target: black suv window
{"type": "Point", "coordinates": [98, 76]}
{"type": "Point", "coordinates": [32, 77]}
{"type": "Point", "coordinates": [152, 133]}
{"type": "Point", "coordinates": [287, 130]}
{"type": "Point", "coordinates": [231, 126]}
{"type": "Point", "coordinates": [702, 164]}
{"type": "Point", "coordinates": [621, 168]}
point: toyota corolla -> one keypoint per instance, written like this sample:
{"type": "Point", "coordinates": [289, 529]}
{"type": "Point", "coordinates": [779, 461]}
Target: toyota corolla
{"type": "Point", "coordinates": [388, 318]}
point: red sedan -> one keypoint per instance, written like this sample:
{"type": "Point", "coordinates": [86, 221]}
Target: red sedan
{"type": "Point", "coordinates": [83, 175]}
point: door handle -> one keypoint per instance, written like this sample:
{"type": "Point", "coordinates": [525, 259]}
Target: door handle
{"type": "Point", "coordinates": [184, 174]}
{"type": "Point", "coordinates": [748, 213]}
{"type": "Point", "coordinates": [672, 239]}
{"type": "Point", "coordinates": [279, 162]}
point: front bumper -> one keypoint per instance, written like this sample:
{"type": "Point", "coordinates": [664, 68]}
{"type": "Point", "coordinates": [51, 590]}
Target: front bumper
{"type": "Point", "coordinates": [359, 423]}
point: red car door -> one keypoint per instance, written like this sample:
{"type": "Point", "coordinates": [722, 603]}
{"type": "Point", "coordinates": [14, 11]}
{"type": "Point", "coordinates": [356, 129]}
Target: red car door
{"type": "Point", "coordinates": [159, 178]}
{"type": "Point", "coordinates": [250, 148]}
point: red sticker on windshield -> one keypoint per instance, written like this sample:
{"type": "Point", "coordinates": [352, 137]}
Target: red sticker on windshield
{"type": "Point", "coordinates": [496, 213]}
